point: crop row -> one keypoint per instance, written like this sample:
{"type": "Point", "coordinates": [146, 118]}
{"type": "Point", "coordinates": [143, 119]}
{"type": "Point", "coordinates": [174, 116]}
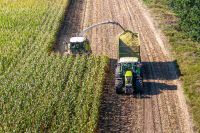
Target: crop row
{"type": "Point", "coordinates": [41, 92]}
{"type": "Point", "coordinates": [58, 94]}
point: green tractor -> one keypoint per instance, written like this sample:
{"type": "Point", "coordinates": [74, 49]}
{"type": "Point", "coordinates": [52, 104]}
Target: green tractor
{"type": "Point", "coordinates": [128, 72]}
{"type": "Point", "coordinates": [128, 76]}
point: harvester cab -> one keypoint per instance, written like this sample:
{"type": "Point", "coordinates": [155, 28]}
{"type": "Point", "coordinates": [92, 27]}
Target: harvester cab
{"type": "Point", "coordinates": [128, 73]}
{"type": "Point", "coordinates": [78, 45]}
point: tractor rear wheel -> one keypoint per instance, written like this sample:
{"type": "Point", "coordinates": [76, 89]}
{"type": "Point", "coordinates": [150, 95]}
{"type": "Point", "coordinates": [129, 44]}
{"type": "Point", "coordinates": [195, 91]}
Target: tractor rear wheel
{"type": "Point", "coordinates": [119, 90]}
{"type": "Point", "coordinates": [119, 86]}
{"type": "Point", "coordinates": [139, 86]}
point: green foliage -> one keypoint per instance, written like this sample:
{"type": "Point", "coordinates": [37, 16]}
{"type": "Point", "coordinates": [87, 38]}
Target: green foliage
{"type": "Point", "coordinates": [53, 94]}
{"type": "Point", "coordinates": [41, 92]}
{"type": "Point", "coordinates": [189, 12]}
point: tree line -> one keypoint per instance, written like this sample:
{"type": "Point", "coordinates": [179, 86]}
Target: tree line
{"type": "Point", "coordinates": [189, 13]}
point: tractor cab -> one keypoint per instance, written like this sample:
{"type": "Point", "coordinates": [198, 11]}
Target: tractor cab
{"type": "Point", "coordinates": [128, 75]}
{"type": "Point", "coordinates": [78, 45]}
{"type": "Point", "coordinates": [127, 67]}
{"type": "Point", "coordinates": [128, 64]}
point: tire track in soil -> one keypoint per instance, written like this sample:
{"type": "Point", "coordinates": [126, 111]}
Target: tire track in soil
{"type": "Point", "coordinates": [161, 107]}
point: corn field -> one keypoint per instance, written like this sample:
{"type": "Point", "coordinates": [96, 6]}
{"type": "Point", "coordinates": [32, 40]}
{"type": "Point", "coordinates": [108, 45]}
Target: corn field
{"type": "Point", "coordinates": [41, 92]}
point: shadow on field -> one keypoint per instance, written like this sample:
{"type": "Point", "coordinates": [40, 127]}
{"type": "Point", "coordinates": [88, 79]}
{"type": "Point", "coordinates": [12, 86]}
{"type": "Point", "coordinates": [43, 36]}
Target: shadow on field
{"type": "Point", "coordinates": [161, 70]}
{"type": "Point", "coordinates": [154, 88]}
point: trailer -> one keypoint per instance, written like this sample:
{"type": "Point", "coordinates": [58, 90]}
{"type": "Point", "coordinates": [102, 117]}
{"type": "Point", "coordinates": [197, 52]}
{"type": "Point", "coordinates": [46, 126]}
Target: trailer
{"type": "Point", "coordinates": [128, 72]}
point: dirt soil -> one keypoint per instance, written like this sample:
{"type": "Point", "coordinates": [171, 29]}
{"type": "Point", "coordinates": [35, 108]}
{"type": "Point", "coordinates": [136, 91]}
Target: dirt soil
{"type": "Point", "coordinates": [162, 106]}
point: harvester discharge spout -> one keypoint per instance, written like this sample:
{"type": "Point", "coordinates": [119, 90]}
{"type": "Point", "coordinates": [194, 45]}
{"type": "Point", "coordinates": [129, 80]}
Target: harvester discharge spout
{"type": "Point", "coordinates": [80, 44]}
{"type": "Point", "coordinates": [99, 24]}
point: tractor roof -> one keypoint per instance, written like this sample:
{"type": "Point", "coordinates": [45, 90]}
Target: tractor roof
{"type": "Point", "coordinates": [128, 60]}
{"type": "Point", "coordinates": [77, 39]}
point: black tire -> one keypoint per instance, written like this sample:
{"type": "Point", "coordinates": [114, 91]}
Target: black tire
{"type": "Point", "coordinates": [117, 72]}
{"type": "Point", "coordinates": [119, 90]}
{"type": "Point", "coordinates": [119, 86]}
{"type": "Point", "coordinates": [139, 85]}
{"type": "Point", "coordinates": [128, 91]}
